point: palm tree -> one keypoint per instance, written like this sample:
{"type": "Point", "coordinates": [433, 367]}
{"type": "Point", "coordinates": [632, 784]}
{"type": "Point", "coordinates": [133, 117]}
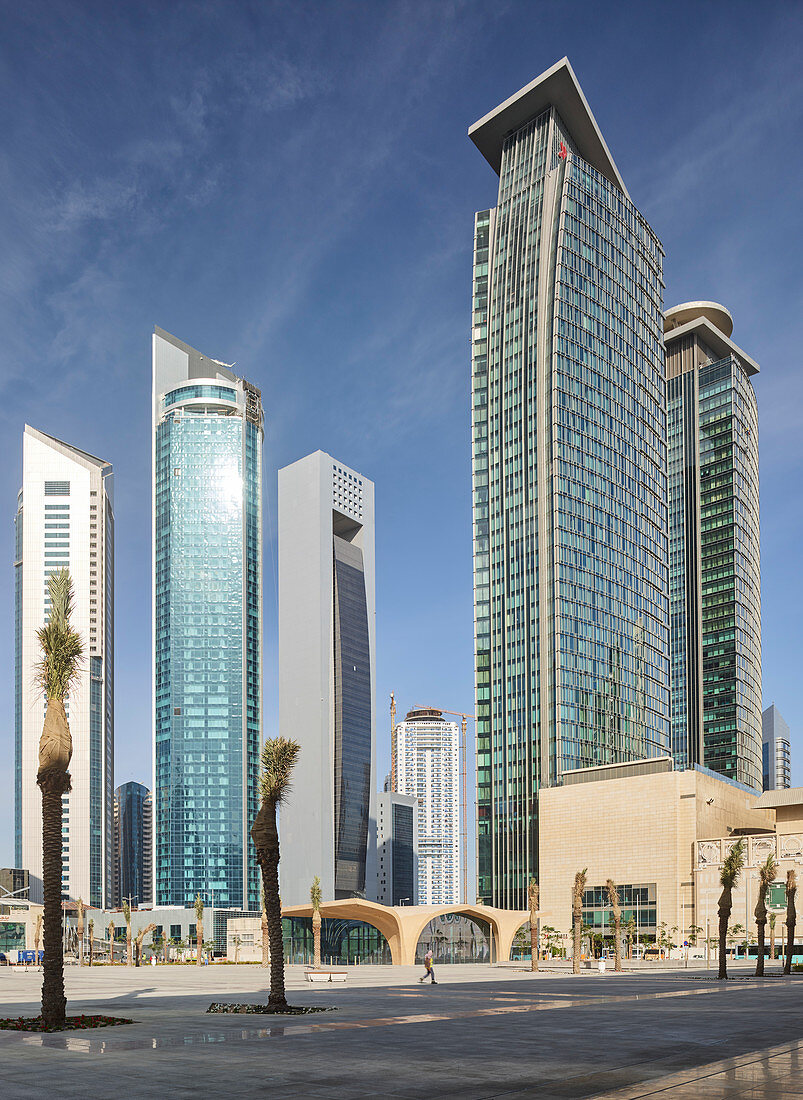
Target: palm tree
{"type": "Point", "coordinates": [265, 939]}
{"type": "Point", "coordinates": [237, 940]}
{"type": "Point", "coordinates": [91, 939]}
{"type": "Point", "coordinates": [278, 759]}
{"type": "Point", "coordinates": [138, 942]}
{"type": "Point", "coordinates": [613, 898]}
{"type": "Point", "coordinates": [728, 877]}
{"type": "Point", "coordinates": [532, 898]}
{"type": "Point", "coordinates": [315, 896]}
{"type": "Point", "coordinates": [767, 873]}
{"type": "Point", "coordinates": [772, 918]}
{"type": "Point", "coordinates": [111, 941]}
{"type": "Point", "coordinates": [37, 935]}
{"type": "Point", "coordinates": [56, 672]}
{"type": "Point", "coordinates": [127, 915]}
{"type": "Point", "coordinates": [791, 921]}
{"type": "Point", "coordinates": [577, 917]}
{"type": "Point", "coordinates": [80, 930]}
{"type": "Point", "coordinates": [157, 942]}
{"type": "Point", "coordinates": [199, 927]}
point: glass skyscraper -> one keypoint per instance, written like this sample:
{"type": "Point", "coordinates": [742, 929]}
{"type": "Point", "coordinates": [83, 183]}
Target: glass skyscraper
{"type": "Point", "coordinates": [207, 617]}
{"type": "Point", "coordinates": [569, 472]}
{"type": "Point", "coordinates": [715, 573]}
{"type": "Point", "coordinates": [133, 843]}
{"type": "Point", "coordinates": [776, 751]}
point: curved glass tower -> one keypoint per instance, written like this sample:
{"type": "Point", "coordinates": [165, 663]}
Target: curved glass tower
{"type": "Point", "coordinates": [569, 469]}
{"type": "Point", "coordinates": [207, 590]}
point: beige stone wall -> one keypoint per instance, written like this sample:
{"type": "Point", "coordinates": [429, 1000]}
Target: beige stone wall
{"type": "Point", "coordinates": [249, 929]}
{"type": "Point", "coordinates": [639, 829]}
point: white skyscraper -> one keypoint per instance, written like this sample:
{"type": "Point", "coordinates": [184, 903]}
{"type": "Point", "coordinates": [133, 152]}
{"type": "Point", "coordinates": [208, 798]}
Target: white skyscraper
{"type": "Point", "coordinates": [65, 520]}
{"type": "Point", "coordinates": [326, 678]}
{"type": "Point", "coordinates": [426, 761]}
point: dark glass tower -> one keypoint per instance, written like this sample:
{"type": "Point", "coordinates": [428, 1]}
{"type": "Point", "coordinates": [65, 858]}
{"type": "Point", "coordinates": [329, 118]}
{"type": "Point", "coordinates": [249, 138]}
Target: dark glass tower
{"type": "Point", "coordinates": [569, 472]}
{"type": "Point", "coordinates": [133, 841]}
{"type": "Point", "coordinates": [207, 585]}
{"type": "Point", "coordinates": [715, 571]}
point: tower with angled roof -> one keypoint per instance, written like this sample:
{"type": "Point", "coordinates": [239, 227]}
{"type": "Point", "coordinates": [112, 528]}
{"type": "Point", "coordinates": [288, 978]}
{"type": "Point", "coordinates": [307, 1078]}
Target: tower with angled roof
{"type": "Point", "coordinates": [207, 628]}
{"type": "Point", "coordinates": [65, 520]}
{"type": "Point", "coordinates": [569, 471]}
{"type": "Point", "coordinates": [715, 564]}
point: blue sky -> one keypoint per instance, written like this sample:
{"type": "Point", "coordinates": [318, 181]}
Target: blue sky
{"type": "Point", "coordinates": [290, 187]}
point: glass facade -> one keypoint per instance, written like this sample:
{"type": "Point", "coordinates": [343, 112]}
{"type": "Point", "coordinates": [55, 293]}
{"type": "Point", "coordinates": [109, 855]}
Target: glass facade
{"type": "Point", "coordinates": [132, 817]}
{"type": "Point", "coordinates": [403, 885]}
{"type": "Point", "coordinates": [352, 741]}
{"type": "Point", "coordinates": [569, 478]}
{"type": "Point", "coordinates": [638, 903]}
{"type": "Point", "coordinates": [715, 608]}
{"type": "Point", "coordinates": [208, 622]}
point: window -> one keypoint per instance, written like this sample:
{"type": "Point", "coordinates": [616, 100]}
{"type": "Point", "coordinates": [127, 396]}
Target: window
{"type": "Point", "coordinates": [57, 488]}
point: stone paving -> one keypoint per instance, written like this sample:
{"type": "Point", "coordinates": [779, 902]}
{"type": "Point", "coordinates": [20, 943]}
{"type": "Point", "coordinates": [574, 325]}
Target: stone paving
{"type": "Point", "coordinates": [482, 1032]}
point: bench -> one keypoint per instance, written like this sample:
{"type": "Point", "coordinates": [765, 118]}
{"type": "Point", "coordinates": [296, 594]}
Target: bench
{"type": "Point", "coordinates": [327, 975]}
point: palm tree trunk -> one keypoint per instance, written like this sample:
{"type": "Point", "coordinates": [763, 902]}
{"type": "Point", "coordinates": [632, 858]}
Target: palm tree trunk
{"type": "Point", "coordinates": [265, 940]}
{"type": "Point", "coordinates": [54, 1002]}
{"type": "Point", "coordinates": [576, 938]}
{"type": "Point", "coordinates": [772, 942]}
{"type": "Point", "coordinates": [316, 939]}
{"type": "Point", "coordinates": [724, 917]}
{"type": "Point", "coordinates": [791, 921]}
{"type": "Point", "coordinates": [199, 939]}
{"type": "Point", "coordinates": [80, 948]}
{"type": "Point", "coordinates": [267, 845]}
{"type": "Point", "coordinates": [760, 929]}
{"type": "Point", "coordinates": [533, 944]}
{"type": "Point", "coordinates": [91, 946]}
{"type": "Point", "coordinates": [617, 943]}
{"type": "Point", "coordinates": [129, 959]}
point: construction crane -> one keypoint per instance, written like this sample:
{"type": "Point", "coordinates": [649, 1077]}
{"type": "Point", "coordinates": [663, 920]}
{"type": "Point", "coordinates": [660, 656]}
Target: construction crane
{"type": "Point", "coordinates": [464, 823]}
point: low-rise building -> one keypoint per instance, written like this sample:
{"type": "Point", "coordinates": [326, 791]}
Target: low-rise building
{"type": "Point", "coordinates": [641, 824]}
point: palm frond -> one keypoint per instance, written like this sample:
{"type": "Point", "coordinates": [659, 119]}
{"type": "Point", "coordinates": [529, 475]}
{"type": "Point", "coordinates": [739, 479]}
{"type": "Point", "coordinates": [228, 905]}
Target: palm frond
{"type": "Point", "coordinates": [199, 907]}
{"type": "Point", "coordinates": [127, 912]}
{"type": "Point", "coordinates": [279, 755]}
{"type": "Point", "coordinates": [316, 894]}
{"type": "Point", "coordinates": [61, 646]}
{"type": "Point", "coordinates": [767, 873]}
{"type": "Point", "coordinates": [613, 894]}
{"type": "Point", "coordinates": [732, 865]}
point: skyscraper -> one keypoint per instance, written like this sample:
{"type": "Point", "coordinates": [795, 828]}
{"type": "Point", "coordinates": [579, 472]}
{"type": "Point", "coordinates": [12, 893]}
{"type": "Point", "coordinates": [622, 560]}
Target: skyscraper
{"type": "Point", "coordinates": [715, 572]}
{"type": "Point", "coordinates": [65, 520]}
{"type": "Point", "coordinates": [569, 471]}
{"type": "Point", "coordinates": [396, 849]}
{"type": "Point", "coordinates": [427, 761]}
{"type": "Point", "coordinates": [207, 617]}
{"type": "Point", "coordinates": [326, 678]}
{"type": "Point", "coordinates": [776, 751]}
{"type": "Point", "coordinates": [133, 845]}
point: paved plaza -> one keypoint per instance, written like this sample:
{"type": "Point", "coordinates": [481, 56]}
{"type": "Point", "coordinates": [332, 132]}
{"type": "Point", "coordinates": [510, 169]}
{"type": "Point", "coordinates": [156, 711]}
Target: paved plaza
{"type": "Point", "coordinates": [482, 1032]}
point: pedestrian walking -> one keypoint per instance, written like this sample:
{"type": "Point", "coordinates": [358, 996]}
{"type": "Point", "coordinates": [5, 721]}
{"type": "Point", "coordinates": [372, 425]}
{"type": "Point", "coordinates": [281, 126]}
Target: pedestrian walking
{"type": "Point", "coordinates": [429, 972]}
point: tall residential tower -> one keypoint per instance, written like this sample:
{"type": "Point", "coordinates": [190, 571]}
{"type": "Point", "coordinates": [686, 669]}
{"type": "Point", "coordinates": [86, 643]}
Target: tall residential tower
{"type": "Point", "coordinates": [327, 679]}
{"type": "Point", "coordinates": [426, 761]}
{"type": "Point", "coordinates": [207, 620]}
{"type": "Point", "coordinates": [715, 573]}
{"type": "Point", "coordinates": [776, 751]}
{"type": "Point", "coordinates": [569, 471]}
{"type": "Point", "coordinates": [65, 520]}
